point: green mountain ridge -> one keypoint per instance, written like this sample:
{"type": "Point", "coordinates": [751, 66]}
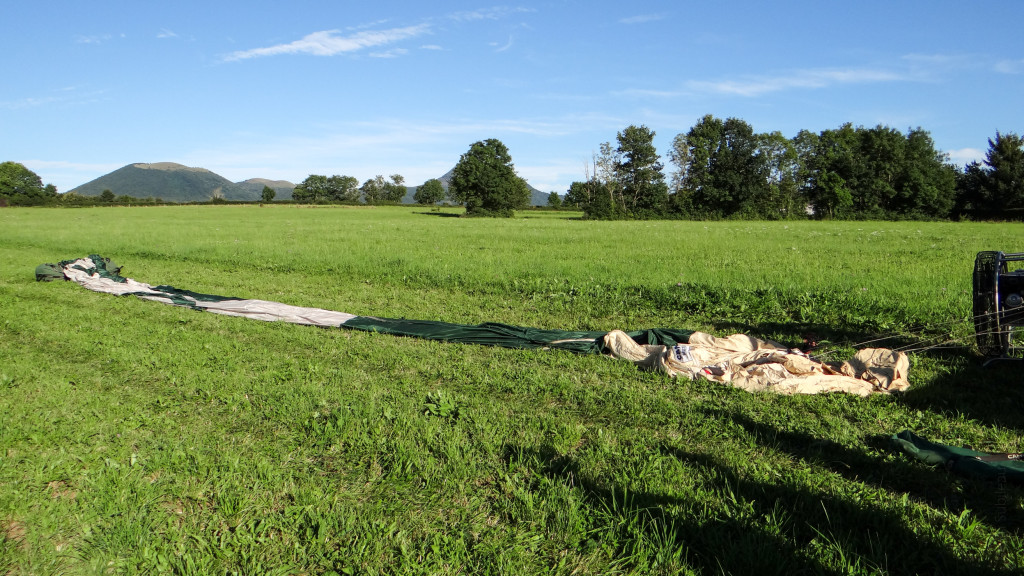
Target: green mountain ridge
{"type": "Point", "coordinates": [173, 182]}
{"type": "Point", "coordinates": [254, 186]}
{"type": "Point", "coordinates": [170, 182]}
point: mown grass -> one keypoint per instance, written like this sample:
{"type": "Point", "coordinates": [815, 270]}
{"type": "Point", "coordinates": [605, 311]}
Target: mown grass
{"type": "Point", "coordinates": [137, 438]}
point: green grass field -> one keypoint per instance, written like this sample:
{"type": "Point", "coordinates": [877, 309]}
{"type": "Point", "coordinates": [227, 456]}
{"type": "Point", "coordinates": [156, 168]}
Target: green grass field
{"type": "Point", "coordinates": [138, 438]}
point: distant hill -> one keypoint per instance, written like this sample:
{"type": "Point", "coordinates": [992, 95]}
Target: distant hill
{"type": "Point", "coordinates": [283, 188]}
{"type": "Point", "coordinates": [173, 182]}
{"type": "Point", "coordinates": [168, 181]}
{"type": "Point", "coordinates": [537, 198]}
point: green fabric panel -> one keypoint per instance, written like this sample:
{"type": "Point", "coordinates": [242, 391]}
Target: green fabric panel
{"type": "Point", "coordinates": [176, 294]}
{"type": "Point", "coordinates": [506, 336]}
{"type": "Point", "coordinates": [961, 460]}
{"type": "Point", "coordinates": [662, 336]}
{"type": "Point", "coordinates": [49, 272]}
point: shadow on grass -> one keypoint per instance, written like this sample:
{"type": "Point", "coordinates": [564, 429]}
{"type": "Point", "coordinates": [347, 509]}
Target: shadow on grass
{"type": "Point", "coordinates": [441, 214]}
{"type": "Point", "coordinates": [750, 526]}
{"type": "Point", "coordinates": [799, 335]}
{"type": "Point", "coordinates": [993, 395]}
{"type": "Point", "coordinates": [988, 500]}
{"type": "Point", "coordinates": [715, 543]}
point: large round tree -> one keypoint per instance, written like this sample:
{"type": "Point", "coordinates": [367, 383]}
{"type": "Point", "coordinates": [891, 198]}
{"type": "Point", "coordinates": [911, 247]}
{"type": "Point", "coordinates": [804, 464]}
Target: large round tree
{"type": "Point", "coordinates": [430, 192]}
{"type": "Point", "coordinates": [23, 187]}
{"type": "Point", "coordinates": [486, 181]}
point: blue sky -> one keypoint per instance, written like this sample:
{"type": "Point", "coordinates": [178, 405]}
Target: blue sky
{"type": "Point", "coordinates": [282, 90]}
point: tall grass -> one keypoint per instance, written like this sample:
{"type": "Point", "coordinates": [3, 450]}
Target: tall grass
{"type": "Point", "coordinates": [139, 438]}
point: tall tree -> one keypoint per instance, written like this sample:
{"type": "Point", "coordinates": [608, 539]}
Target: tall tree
{"type": "Point", "coordinates": [485, 181]}
{"type": "Point", "coordinates": [694, 156]}
{"type": "Point", "coordinates": [1004, 185]}
{"type": "Point", "coordinates": [679, 155]}
{"type": "Point", "coordinates": [926, 185]}
{"type": "Point", "coordinates": [832, 171]}
{"type": "Point", "coordinates": [639, 172]}
{"type": "Point", "coordinates": [394, 189]}
{"type": "Point", "coordinates": [726, 169]}
{"type": "Point", "coordinates": [995, 189]}
{"type": "Point", "coordinates": [781, 198]}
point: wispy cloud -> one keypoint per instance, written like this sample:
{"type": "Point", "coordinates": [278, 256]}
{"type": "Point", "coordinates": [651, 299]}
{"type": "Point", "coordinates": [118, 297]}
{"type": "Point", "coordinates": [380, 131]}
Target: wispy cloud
{"type": "Point", "coordinates": [431, 47]}
{"type": "Point", "coordinates": [67, 95]}
{"type": "Point", "coordinates": [393, 53]}
{"type": "Point", "coordinates": [495, 13]}
{"type": "Point", "coordinates": [331, 43]}
{"type": "Point", "coordinates": [821, 78]}
{"type": "Point", "coordinates": [92, 39]}
{"type": "Point", "coordinates": [643, 18]}
{"type": "Point", "coordinates": [642, 93]}
{"type": "Point", "coordinates": [505, 46]}
{"type": "Point", "coordinates": [1010, 67]}
{"type": "Point", "coordinates": [165, 33]}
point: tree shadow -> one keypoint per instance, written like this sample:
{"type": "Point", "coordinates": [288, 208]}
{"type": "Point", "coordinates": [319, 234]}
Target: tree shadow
{"type": "Point", "coordinates": [992, 395]}
{"type": "Point", "coordinates": [716, 544]}
{"type": "Point", "coordinates": [760, 527]}
{"type": "Point", "coordinates": [798, 334]}
{"type": "Point", "coordinates": [441, 214]}
{"type": "Point", "coordinates": [990, 501]}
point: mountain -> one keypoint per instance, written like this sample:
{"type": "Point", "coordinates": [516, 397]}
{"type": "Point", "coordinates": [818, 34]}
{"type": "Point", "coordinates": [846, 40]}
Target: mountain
{"type": "Point", "coordinates": [177, 183]}
{"type": "Point", "coordinates": [168, 181]}
{"type": "Point", "coordinates": [254, 186]}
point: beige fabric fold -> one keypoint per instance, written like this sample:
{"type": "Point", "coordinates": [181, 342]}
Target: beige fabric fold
{"type": "Point", "coordinates": [757, 365]}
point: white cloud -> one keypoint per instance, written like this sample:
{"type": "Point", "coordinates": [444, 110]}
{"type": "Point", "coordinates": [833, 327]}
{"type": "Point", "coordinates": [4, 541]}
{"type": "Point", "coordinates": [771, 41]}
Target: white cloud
{"type": "Point", "coordinates": [431, 47]}
{"type": "Point", "coordinates": [642, 18]}
{"type": "Point", "coordinates": [69, 95]}
{"type": "Point", "coordinates": [165, 33]}
{"type": "Point", "coordinates": [330, 43]}
{"type": "Point", "coordinates": [494, 13]}
{"type": "Point", "coordinates": [393, 53]}
{"type": "Point", "coordinates": [1010, 67]}
{"type": "Point", "coordinates": [642, 93]}
{"type": "Point", "coordinates": [505, 46]}
{"type": "Point", "coordinates": [93, 39]}
{"type": "Point", "coordinates": [30, 102]}
{"type": "Point", "coordinates": [966, 155]}
{"type": "Point", "coordinates": [822, 78]}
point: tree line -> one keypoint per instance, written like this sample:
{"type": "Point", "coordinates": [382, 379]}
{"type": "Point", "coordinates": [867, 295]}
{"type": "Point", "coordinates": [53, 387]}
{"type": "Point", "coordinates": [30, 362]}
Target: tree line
{"type": "Point", "coordinates": [724, 169]}
{"type": "Point", "coordinates": [484, 181]}
{"type": "Point", "coordinates": [317, 188]}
